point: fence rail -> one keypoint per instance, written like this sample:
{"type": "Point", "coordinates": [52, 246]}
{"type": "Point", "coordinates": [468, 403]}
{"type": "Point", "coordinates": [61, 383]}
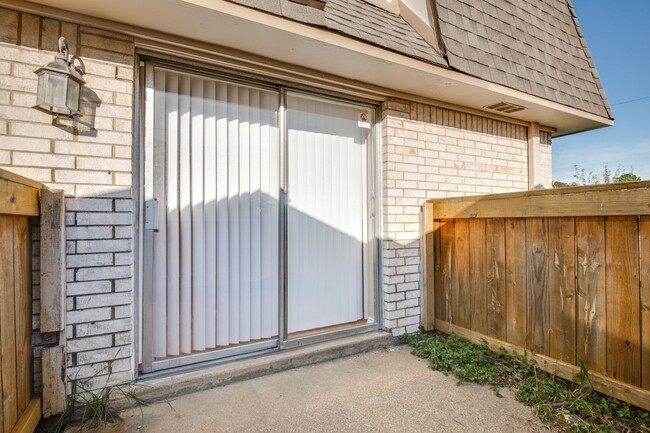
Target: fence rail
{"type": "Point", "coordinates": [563, 274]}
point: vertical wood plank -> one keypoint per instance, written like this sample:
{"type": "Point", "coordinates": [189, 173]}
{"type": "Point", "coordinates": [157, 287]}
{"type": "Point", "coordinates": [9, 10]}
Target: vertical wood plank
{"type": "Point", "coordinates": [591, 335]}
{"type": "Point", "coordinates": [516, 281]}
{"type": "Point", "coordinates": [53, 386]}
{"type": "Point", "coordinates": [537, 284]}
{"type": "Point", "coordinates": [52, 261]}
{"type": "Point", "coordinates": [645, 302]}
{"type": "Point", "coordinates": [622, 277]}
{"type": "Point", "coordinates": [461, 299]}
{"type": "Point", "coordinates": [448, 268]}
{"type": "Point", "coordinates": [7, 324]}
{"type": "Point", "coordinates": [477, 276]}
{"type": "Point", "coordinates": [427, 258]}
{"type": "Point", "coordinates": [439, 292]}
{"type": "Point", "coordinates": [496, 277]}
{"type": "Point", "coordinates": [22, 291]}
{"type": "Point", "coordinates": [562, 290]}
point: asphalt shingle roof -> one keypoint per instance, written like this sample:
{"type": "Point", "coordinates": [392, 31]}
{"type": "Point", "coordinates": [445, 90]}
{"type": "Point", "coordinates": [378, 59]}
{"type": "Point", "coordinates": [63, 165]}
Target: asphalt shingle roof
{"type": "Point", "coordinates": [379, 27]}
{"type": "Point", "coordinates": [535, 46]}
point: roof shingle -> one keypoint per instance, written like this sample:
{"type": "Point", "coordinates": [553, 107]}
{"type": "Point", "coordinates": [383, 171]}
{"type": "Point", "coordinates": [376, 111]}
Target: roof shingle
{"type": "Point", "coordinates": [535, 46]}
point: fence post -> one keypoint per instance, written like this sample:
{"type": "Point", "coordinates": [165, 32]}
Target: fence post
{"type": "Point", "coordinates": [426, 258]}
{"type": "Point", "coordinates": [53, 287]}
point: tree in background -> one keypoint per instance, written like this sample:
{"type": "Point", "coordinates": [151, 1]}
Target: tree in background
{"type": "Point", "coordinates": [583, 178]}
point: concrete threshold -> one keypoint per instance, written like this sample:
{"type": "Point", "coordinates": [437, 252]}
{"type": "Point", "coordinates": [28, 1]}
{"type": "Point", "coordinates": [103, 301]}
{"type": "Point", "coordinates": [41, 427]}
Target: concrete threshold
{"type": "Point", "coordinates": [173, 385]}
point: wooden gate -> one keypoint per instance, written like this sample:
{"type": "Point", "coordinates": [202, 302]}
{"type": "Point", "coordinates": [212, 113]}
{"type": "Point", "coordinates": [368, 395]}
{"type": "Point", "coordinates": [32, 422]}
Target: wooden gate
{"type": "Point", "coordinates": [19, 200]}
{"type": "Point", "coordinates": [562, 274]}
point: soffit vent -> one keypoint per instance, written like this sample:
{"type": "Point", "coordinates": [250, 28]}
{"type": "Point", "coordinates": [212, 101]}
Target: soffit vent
{"type": "Point", "coordinates": [505, 107]}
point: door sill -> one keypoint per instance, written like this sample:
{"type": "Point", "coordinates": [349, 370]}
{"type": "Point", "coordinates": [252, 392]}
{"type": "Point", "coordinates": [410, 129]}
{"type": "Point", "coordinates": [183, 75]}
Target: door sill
{"type": "Point", "coordinates": [327, 336]}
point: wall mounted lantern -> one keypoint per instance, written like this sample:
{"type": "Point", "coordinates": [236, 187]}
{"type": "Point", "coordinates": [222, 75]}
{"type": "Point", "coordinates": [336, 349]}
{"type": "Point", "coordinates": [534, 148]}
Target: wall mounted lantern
{"type": "Point", "coordinates": [59, 85]}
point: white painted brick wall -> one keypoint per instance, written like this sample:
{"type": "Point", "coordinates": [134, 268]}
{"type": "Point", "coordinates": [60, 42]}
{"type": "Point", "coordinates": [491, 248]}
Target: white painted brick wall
{"type": "Point", "coordinates": [93, 165]}
{"type": "Point", "coordinates": [431, 152]}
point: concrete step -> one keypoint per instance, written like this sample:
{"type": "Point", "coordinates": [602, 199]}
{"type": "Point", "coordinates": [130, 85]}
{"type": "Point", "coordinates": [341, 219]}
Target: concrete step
{"type": "Point", "coordinates": [172, 385]}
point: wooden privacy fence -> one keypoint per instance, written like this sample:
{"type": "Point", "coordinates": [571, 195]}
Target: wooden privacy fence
{"type": "Point", "coordinates": [20, 200]}
{"type": "Point", "coordinates": [563, 274]}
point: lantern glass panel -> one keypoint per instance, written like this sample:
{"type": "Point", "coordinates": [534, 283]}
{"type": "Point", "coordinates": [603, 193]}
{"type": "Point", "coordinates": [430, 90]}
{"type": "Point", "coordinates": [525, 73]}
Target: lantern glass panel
{"type": "Point", "coordinates": [42, 86]}
{"type": "Point", "coordinates": [55, 95]}
{"type": "Point", "coordinates": [73, 96]}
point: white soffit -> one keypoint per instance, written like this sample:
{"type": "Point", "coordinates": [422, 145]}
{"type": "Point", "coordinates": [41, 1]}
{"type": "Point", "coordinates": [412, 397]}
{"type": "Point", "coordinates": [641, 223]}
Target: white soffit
{"type": "Point", "coordinates": [231, 25]}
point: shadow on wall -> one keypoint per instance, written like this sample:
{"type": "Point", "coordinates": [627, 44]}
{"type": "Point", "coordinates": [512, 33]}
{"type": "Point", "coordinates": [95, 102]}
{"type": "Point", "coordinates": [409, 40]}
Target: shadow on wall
{"type": "Point", "coordinates": [84, 125]}
{"type": "Point", "coordinates": [238, 274]}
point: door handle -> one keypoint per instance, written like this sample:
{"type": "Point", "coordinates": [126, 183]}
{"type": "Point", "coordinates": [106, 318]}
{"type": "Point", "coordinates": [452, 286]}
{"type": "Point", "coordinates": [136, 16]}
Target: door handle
{"type": "Point", "coordinates": [151, 214]}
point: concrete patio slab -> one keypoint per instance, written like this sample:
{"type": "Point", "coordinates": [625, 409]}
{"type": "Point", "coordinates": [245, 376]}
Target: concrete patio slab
{"type": "Point", "coordinates": [385, 390]}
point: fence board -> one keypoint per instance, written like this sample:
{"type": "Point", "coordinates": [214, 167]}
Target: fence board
{"type": "Point", "coordinates": [439, 288]}
{"type": "Point", "coordinates": [7, 324]}
{"type": "Point", "coordinates": [477, 276]}
{"type": "Point", "coordinates": [537, 284]}
{"type": "Point", "coordinates": [496, 277]}
{"type": "Point", "coordinates": [448, 267]}
{"type": "Point", "coordinates": [22, 290]}
{"type": "Point", "coordinates": [592, 312]}
{"type": "Point", "coordinates": [516, 281]}
{"type": "Point", "coordinates": [562, 305]}
{"type": "Point", "coordinates": [645, 302]}
{"type": "Point", "coordinates": [622, 275]}
{"type": "Point", "coordinates": [460, 303]}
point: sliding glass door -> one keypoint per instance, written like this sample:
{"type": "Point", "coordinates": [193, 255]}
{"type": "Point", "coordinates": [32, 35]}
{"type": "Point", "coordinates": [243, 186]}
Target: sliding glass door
{"type": "Point", "coordinates": [255, 226]}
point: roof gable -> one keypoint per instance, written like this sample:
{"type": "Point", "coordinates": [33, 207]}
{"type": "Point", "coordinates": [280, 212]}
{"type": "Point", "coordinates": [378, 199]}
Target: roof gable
{"type": "Point", "coordinates": [535, 46]}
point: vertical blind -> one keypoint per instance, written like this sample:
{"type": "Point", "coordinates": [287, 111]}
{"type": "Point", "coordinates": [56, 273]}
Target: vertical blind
{"type": "Point", "coordinates": [216, 175]}
{"type": "Point", "coordinates": [327, 175]}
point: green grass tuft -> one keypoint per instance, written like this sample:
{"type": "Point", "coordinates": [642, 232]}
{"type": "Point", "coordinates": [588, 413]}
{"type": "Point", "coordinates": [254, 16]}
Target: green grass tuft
{"type": "Point", "coordinates": [572, 406]}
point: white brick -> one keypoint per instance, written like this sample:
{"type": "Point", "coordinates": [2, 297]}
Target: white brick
{"type": "Point", "coordinates": [123, 285]}
{"type": "Point", "coordinates": [107, 300]}
{"type": "Point", "coordinates": [103, 191]}
{"type": "Point", "coordinates": [78, 148]}
{"type": "Point", "coordinates": [101, 246]}
{"type": "Point", "coordinates": [123, 205]}
{"type": "Point", "coordinates": [107, 354]}
{"type": "Point", "coordinates": [82, 204]}
{"type": "Point", "coordinates": [123, 258]}
{"type": "Point", "coordinates": [88, 260]}
{"type": "Point", "coordinates": [103, 273]}
{"type": "Point", "coordinates": [413, 320]}
{"type": "Point", "coordinates": [24, 144]}
{"type": "Point", "coordinates": [88, 287]}
{"type": "Point", "coordinates": [104, 327]}
{"type": "Point", "coordinates": [82, 176]}
{"type": "Point", "coordinates": [86, 371]}
{"type": "Point", "coordinates": [123, 232]}
{"type": "Point", "coordinates": [414, 302]}
{"type": "Point", "coordinates": [122, 311]}
{"type": "Point", "coordinates": [103, 218]}
{"type": "Point", "coordinates": [84, 344]}
{"type": "Point", "coordinates": [103, 164]}
{"type": "Point", "coordinates": [74, 317]}
{"type": "Point", "coordinates": [75, 233]}
{"type": "Point", "coordinates": [123, 338]}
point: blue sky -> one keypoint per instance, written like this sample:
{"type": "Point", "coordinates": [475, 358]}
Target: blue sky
{"type": "Point", "coordinates": [618, 35]}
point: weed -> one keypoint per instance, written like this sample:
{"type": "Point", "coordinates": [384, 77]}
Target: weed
{"type": "Point", "coordinates": [92, 408]}
{"type": "Point", "coordinates": [572, 406]}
